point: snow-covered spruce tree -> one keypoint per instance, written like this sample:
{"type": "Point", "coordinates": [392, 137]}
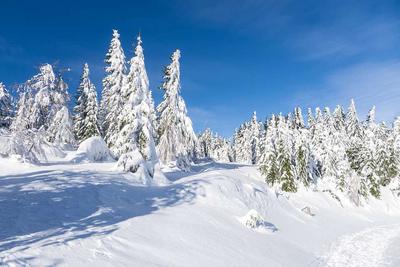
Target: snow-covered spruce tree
{"type": "Point", "coordinates": [336, 169]}
{"type": "Point", "coordinates": [205, 143]}
{"type": "Point", "coordinates": [269, 159]}
{"type": "Point", "coordinates": [367, 155]}
{"type": "Point", "coordinates": [277, 162]}
{"type": "Point", "coordinates": [303, 159]}
{"type": "Point", "coordinates": [112, 101]}
{"type": "Point", "coordinates": [386, 162]}
{"type": "Point", "coordinates": [177, 140]}
{"type": "Point", "coordinates": [214, 147]}
{"type": "Point", "coordinates": [221, 151]}
{"type": "Point", "coordinates": [284, 146]}
{"type": "Point", "coordinates": [317, 136]}
{"type": "Point", "coordinates": [135, 122]}
{"type": "Point", "coordinates": [6, 107]}
{"type": "Point", "coordinates": [61, 130]}
{"type": "Point", "coordinates": [41, 98]}
{"type": "Point", "coordinates": [339, 118]}
{"type": "Point", "coordinates": [85, 111]}
{"type": "Point", "coordinates": [298, 118]}
{"type": "Point", "coordinates": [354, 148]}
{"type": "Point", "coordinates": [243, 144]}
{"type": "Point", "coordinates": [396, 137]}
{"type": "Point", "coordinates": [255, 138]}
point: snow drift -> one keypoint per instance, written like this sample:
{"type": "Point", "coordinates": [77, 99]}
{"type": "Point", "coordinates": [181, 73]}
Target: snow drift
{"type": "Point", "coordinates": [93, 149]}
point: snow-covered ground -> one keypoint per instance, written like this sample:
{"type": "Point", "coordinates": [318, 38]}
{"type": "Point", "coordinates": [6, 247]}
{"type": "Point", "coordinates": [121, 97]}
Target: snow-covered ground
{"type": "Point", "coordinates": [86, 214]}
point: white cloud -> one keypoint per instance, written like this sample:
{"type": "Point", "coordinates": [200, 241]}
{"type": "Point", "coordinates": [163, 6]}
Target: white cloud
{"type": "Point", "coordinates": [371, 83]}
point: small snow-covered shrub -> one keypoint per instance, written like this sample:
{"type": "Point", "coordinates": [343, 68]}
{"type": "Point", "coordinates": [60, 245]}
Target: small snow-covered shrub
{"type": "Point", "coordinates": [134, 162]}
{"type": "Point", "coordinates": [94, 149]}
{"type": "Point", "coordinates": [29, 144]}
{"type": "Point", "coordinates": [253, 220]}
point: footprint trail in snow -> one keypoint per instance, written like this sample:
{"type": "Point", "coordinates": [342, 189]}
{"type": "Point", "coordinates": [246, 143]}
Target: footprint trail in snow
{"type": "Point", "coordinates": [365, 248]}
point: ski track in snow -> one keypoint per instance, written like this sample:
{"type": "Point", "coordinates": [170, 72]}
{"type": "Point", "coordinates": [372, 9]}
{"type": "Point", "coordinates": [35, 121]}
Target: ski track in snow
{"type": "Point", "coordinates": [365, 248]}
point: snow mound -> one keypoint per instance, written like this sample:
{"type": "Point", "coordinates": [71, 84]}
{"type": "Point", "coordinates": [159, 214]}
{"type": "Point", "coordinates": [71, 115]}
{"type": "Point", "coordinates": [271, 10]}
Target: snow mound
{"type": "Point", "coordinates": [92, 149]}
{"type": "Point", "coordinates": [134, 162]}
{"type": "Point", "coordinates": [253, 220]}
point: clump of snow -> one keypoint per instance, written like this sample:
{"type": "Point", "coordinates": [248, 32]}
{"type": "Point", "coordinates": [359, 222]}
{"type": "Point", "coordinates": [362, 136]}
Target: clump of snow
{"type": "Point", "coordinates": [255, 221]}
{"type": "Point", "coordinates": [93, 149]}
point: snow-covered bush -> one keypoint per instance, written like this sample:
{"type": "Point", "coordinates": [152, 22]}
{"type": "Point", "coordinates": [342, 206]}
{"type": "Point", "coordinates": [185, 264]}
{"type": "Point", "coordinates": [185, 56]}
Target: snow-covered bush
{"type": "Point", "coordinates": [29, 144]}
{"type": "Point", "coordinates": [135, 163]}
{"type": "Point", "coordinates": [253, 220]}
{"type": "Point", "coordinates": [94, 149]}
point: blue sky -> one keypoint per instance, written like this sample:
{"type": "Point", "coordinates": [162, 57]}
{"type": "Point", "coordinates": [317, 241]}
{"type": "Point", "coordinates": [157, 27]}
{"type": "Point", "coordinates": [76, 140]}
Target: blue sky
{"type": "Point", "coordinates": [237, 56]}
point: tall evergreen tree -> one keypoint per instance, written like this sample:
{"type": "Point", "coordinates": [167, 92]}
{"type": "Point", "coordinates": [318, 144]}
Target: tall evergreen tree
{"type": "Point", "coordinates": [112, 101]}
{"type": "Point", "coordinates": [177, 140]}
{"type": "Point", "coordinates": [255, 141]}
{"type": "Point", "coordinates": [85, 117]}
{"type": "Point", "coordinates": [6, 108]}
{"type": "Point", "coordinates": [135, 122]}
{"type": "Point", "coordinates": [205, 143]}
{"type": "Point", "coordinates": [41, 98]}
{"type": "Point", "coordinates": [269, 159]}
{"type": "Point", "coordinates": [284, 145]}
{"type": "Point", "coordinates": [298, 118]}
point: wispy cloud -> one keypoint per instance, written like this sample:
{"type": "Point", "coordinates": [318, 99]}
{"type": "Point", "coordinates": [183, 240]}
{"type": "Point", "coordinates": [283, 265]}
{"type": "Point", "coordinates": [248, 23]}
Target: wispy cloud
{"type": "Point", "coordinates": [348, 39]}
{"type": "Point", "coordinates": [367, 83]}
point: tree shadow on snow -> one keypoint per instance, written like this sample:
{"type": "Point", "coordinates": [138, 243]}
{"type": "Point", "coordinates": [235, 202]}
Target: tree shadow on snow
{"type": "Point", "coordinates": [51, 207]}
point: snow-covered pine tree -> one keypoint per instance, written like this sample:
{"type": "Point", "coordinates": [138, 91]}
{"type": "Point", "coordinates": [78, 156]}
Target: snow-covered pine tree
{"type": "Point", "coordinates": [386, 162]}
{"type": "Point", "coordinates": [112, 101]}
{"type": "Point", "coordinates": [41, 98]}
{"type": "Point", "coordinates": [255, 141]}
{"type": "Point", "coordinates": [356, 184]}
{"type": "Point", "coordinates": [61, 130]}
{"type": "Point", "coordinates": [6, 108]}
{"type": "Point", "coordinates": [177, 140]}
{"type": "Point", "coordinates": [339, 118]}
{"type": "Point", "coordinates": [317, 134]}
{"type": "Point", "coordinates": [298, 118]}
{"type": "Point", "coordinates": [135, 122]}
{"type": "Point", "coordinates": [269, 159]}
{"type": "Point", "coordinates": [243, 144]}
{"type": "Point", "coordinates": [205, 143]}
{"type": "Point", "coordinates": [85, 117]}
{"type": "Point", "coordinates": [303, 160]}
{"type": "Point", "coordinates": [367, 155]}
{"type": "Point", "coordinates": [396, 137]}
{"type": "Point", "coordinates": [284, 145]}
{"type": "Point", "coordinates": [310, 118]}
